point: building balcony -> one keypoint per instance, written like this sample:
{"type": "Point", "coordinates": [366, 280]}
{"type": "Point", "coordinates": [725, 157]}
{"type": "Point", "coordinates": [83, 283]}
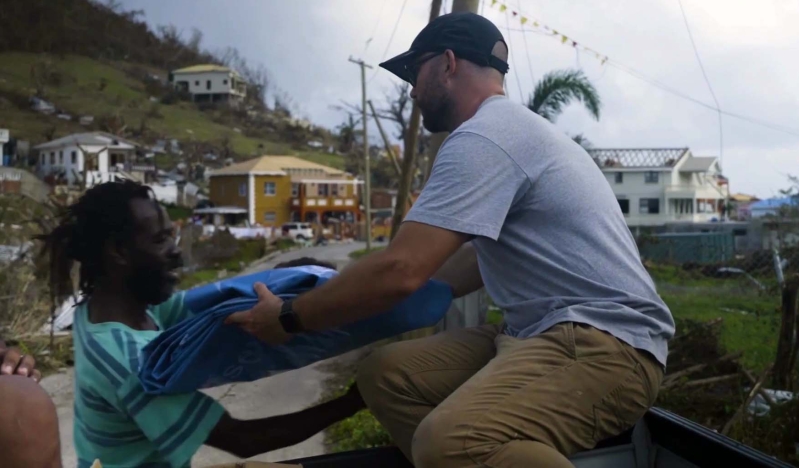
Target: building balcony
{"type": "Point", "coordinates": [325, 203]}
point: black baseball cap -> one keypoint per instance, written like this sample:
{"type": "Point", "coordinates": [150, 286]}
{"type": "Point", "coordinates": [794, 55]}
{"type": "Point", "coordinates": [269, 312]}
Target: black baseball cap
{"type": "Point", "coordinates": [468, 35]}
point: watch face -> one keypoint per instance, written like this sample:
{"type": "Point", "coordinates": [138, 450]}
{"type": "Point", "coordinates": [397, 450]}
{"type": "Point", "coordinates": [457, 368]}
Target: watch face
{"type": "Point", "coordinates": [288, 319]}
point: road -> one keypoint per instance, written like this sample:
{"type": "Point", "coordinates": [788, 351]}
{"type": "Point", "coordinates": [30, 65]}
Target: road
{"type": "Point", "coordinates": [283, 393]}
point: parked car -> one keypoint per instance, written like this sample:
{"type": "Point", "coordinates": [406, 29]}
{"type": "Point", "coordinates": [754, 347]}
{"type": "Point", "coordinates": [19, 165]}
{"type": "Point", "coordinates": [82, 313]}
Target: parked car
{"type": "Point", "coordinates": [297, 231]}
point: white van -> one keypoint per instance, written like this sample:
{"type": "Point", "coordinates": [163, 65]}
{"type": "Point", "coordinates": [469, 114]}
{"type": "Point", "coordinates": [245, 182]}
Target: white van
{"type": "Point", "coordinates": [297, 231]}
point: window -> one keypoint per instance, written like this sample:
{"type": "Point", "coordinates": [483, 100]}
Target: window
{"type": "Point", "coordinates": [197, 83]}
{"type": "Point", "coordinates": [242, 189]}
{"type": "Point", "coordinates": [224, 82]}
{"type": "Point", "coordinates": [295, 190]}
{"type": "Point", "coordinates": [322, 190]}
{"type": "Point", "coordinates": [208, 84]}
{"type": "Point", "coordinates": [73, 157]}
{"type": "Point", "coordinates": [619, 177]}
{"type": "Point", "coordinates": [52, 158]}
{"type": "Point", "coordinates": [651, 177]}
{"type": "Point", "coordinates": [705, 206]}
{"type": "Point", "coordinates": [270, 216]}
{"type": "Point", "coordinates": [624, 204]}
{"type": "Point", "coordinates": [334, 190]}
{"type": "Point", "coordinates": [41, 159]}
{"type": "Point", "coordinates": [269, 189]}
{"type": "Point", "coordinates": [649, 206]}
{"type": "Point", "coordinates": [61, 157]}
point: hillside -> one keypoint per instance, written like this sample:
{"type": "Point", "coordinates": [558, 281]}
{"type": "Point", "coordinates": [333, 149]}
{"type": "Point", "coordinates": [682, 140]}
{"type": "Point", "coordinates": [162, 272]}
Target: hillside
{"type": "Point", "coordinates": [92, 57]}
{"type": "Point", "coordinates": [118, 97]}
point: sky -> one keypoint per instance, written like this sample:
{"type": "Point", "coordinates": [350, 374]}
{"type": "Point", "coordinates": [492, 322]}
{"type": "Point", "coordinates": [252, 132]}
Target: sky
{"type": "Point", "coordinates": [749, 50]}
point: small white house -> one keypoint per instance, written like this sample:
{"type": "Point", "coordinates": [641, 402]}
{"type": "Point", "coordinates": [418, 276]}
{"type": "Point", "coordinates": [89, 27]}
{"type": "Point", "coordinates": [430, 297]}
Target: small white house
{"type": "Point", "coordinates": [104, 156]}
{"type": "Point", "coordinates": [657, 186]}
{"type": "Point", "coordinates": [210, 83]}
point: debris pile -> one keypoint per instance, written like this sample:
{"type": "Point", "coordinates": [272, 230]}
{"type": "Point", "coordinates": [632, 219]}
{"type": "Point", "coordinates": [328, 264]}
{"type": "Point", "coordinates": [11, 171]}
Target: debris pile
{"type": "Point", "coordinates": [707, 385]}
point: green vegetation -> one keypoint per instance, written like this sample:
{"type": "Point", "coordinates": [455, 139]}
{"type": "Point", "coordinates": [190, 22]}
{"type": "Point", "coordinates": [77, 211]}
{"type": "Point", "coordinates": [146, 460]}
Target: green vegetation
{"type": "Point", "coordinates": [356, 432]}
{"type": "Point", "coordinates": [356, 254]}
{"type": "Point", "coordinates": [751, 316]}
{"type": "Point", "coordinates": [178, 212]}
{"type": "Point", "coordinates": [197, 278]}
{"type": "Point", "coordinates": [113, 94]}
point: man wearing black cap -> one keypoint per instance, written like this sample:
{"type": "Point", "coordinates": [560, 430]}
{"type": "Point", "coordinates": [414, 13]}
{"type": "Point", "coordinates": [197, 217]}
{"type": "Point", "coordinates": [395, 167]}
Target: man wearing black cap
{"type": "Point", "coordinates": [515, 205]}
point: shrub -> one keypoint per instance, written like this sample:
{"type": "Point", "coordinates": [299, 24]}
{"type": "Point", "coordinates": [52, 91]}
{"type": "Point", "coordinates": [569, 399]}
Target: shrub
{"type": "Point", "coordinates": [357, 432]}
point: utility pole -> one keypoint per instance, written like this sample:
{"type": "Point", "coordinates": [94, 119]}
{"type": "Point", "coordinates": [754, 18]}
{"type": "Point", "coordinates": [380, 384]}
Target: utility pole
{"type": "Point", "coordinates": [368, 175]}
{"type": "Point", "coordinates": [409, 153]}
{"type": "Point", "coordinates": [436, 139]}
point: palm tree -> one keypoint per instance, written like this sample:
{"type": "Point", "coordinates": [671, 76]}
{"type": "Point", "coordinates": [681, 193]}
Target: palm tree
{"type": "Point", "coordinates": [558, 89]}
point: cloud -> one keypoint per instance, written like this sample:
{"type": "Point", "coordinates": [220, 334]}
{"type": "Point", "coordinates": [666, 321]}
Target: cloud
{"type": "Point", "coordinates": [748, 49]}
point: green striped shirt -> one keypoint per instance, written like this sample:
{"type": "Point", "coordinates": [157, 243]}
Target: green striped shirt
{"type": "Point", "coordinates": [115, 420]}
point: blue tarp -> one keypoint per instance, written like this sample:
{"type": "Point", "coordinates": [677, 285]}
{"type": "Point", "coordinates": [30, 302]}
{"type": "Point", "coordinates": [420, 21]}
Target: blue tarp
{"type": "Point", "coordinates": [202, 352]}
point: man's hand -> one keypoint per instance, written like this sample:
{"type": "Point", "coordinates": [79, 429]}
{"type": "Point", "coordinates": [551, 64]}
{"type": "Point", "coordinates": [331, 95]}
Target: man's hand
{"type": "Point", "coordinates": [16, 363]}
{"type": "Point", "coordinates": [262, 320]}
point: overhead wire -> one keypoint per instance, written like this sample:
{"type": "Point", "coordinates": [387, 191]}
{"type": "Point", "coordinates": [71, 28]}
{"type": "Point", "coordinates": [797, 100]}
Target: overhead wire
{"type": "Point", "coordinates": [513, 59]}
{"type": "Point", "coordinates": [527, 50]}
{"type": "Point", "coordinates": [707, 80]}
{"type": "Point", "coordinates": [668, 89]}
{"type": "Point", "coordinates": [390, 38]}
{"type": "Point", "coordinates": [374, 30]}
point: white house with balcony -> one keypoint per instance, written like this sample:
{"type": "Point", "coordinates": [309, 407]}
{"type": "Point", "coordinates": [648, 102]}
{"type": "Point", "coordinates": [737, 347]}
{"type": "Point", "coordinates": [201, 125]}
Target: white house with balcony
{"type": "Point", "coordinates": [659, 186]}
{"type": "Point", "coordinates": [210, 83]}
{"type": "Point", "coordinates": [104, 157]}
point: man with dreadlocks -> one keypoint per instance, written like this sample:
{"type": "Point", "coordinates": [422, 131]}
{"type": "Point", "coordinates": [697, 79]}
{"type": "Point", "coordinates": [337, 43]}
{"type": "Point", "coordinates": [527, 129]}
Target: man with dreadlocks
{"type": "Point", "coordinates": [124, 243]}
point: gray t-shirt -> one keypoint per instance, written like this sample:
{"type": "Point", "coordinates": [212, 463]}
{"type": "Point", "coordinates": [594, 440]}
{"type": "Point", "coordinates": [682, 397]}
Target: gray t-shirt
{"type": "Point", "coordinates": [550, 237]}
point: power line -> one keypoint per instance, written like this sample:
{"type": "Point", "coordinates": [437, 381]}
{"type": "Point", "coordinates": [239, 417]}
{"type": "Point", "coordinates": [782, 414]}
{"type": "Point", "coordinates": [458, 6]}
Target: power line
{"type": "Point", "coordinates": [513, 59]}
{"type": "Point", "coordinates": [374, 30]}
{"type": "Point", "coordinates": [707, 81]}
{"type": "Point", "coordinates": [527, 50]}
{"type": "Point", "coordinates": [639, 75]}
{"type": "Point", "coordinates": [391, 38]}
{"type": "Point", "coordinates": [652, 81]}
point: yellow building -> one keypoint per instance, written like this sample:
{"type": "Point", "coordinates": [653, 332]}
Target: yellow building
{"type": "Point", "coordinates": [278, 189]}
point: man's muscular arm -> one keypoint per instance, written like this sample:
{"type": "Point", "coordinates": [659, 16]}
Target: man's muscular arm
{"type": "Point", "coordinates": [461, 271]}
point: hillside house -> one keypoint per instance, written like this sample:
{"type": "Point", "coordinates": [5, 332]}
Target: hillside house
{"type": "Point", "coordinates": [210, 83]}
{"type": "Point", "coordinates": [278, 189]}
{"type": "Point", "coordinates": [104, 157]}
{"type": "Point", "coordinates": [658, 186]}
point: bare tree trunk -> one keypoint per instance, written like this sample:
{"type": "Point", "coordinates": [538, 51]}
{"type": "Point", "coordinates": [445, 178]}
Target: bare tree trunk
{"type": "Point", "coordinates": [787, 344]}
{"type": "Point", "coordinates": [409, 156]}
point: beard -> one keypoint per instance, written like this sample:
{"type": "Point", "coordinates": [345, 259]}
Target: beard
{"type": "Point", "coordinates": [152, 285]}
{"type": "Point", "coordinates": [436, 108]}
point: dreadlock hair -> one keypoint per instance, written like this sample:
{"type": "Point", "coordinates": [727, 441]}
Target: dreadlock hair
{"type": "Point", "coordinates": [305, 261]}
{"type": "Point", "coordinates": [102, 213]}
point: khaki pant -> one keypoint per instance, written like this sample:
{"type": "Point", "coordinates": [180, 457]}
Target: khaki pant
{"type": "Point", "coordinates": [477, 398]}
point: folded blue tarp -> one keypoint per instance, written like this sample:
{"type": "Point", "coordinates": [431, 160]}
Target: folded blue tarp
{"type": "Point", "coordinates": [202, 352]}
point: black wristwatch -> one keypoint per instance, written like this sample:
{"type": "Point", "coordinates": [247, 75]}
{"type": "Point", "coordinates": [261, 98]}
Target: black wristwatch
{"type": "Point", "coordinates": [289, 319]}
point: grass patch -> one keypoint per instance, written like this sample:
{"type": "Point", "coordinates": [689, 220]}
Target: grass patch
{"type": "Point", "coordinates": [751, 323]}
{"type": "Point", "coordinates": [90, 87]}
{"type": "Point", "coordinates": [178, 212]}
{"type": "Point", "coordinates": [494, 316]}
{"type": "Point", "coordinates": [198, 277]}
{"type": "Point", "coordinates": [357, 432]}
{"type": "Point", "coordinates": [356, 254]}
{"type": "Point", "coordinates": [751, 316]}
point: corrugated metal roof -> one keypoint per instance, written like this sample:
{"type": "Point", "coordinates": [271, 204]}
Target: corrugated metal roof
{"type": "Point", "coordinates": [204, 68]}
{"type": "Point", "coordinates": [90, 138]}
{"type": "Point", "coordinates": [629, 158]}
{"type": "Point", "coordinates": [275, 165]}
{"type": "Point", "coordinates": [695, 164]}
